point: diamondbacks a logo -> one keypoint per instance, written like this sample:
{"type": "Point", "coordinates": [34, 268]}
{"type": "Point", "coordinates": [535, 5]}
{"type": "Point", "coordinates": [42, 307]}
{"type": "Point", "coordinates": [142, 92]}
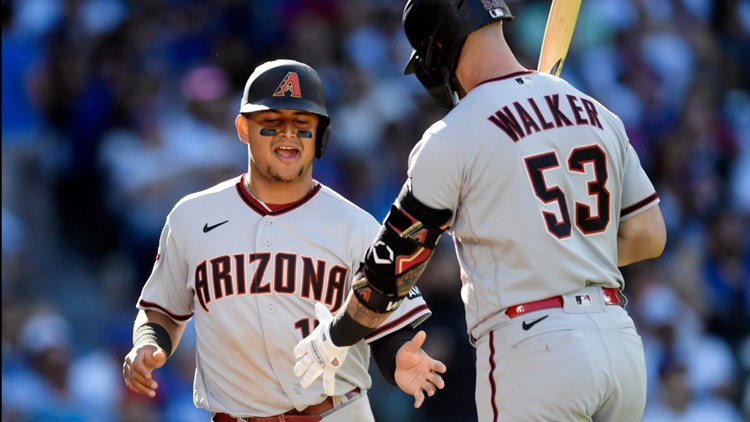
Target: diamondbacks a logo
{"type": "Point", "coordinates": [365, 293]}
{"type": "Point", "coordinates": [290, 84]}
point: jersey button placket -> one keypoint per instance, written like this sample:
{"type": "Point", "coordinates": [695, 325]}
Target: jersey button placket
{"type": "Point", "coordinates": [265, 232]}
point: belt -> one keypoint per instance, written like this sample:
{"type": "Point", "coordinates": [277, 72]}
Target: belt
{"type": "Point", "coordinates": [308, 414]}
{"type": "Point", "coordinates": [611, 297]}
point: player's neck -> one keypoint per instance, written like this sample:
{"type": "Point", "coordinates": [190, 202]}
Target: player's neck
{"type": "Point", "coordinates": [486, 55]}
{"type": "Point", "coordinates": [274, 192]}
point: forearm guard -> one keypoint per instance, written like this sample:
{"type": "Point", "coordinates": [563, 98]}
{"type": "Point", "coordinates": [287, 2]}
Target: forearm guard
{"type": "Point", "coordinates": [398, 255]}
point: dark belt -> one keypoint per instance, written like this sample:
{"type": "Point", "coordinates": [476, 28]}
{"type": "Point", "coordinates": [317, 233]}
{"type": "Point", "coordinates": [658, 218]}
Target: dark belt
{"type": "Point", "coordinates": [611, 297]}
{"type": "Point", "coordinates": [308, 414]}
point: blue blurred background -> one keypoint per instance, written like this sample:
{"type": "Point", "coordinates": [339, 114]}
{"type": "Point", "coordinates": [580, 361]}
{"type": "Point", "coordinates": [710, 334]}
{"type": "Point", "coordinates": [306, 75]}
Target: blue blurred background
{"type": "Point", "coordinates": [112, 110]}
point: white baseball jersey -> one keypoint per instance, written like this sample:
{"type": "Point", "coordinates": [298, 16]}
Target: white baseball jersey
{"type": "Point", "coordinates": [532, 168]}
{"type": "Point", "coordinates": [250, 277]}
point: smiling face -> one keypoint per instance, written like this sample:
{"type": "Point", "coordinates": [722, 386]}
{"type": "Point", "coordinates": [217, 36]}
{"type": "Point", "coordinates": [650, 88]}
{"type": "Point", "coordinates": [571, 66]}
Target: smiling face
{"type": "Point", "coordinates": [287, 155]}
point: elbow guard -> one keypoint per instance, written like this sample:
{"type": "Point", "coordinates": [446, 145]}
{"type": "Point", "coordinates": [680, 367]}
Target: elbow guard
{"type": "Point", "coordinates": [396, 259]}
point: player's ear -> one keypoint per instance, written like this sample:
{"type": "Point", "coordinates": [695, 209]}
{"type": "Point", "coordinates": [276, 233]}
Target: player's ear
{"type": "Point", "coordinates": [242, 124]}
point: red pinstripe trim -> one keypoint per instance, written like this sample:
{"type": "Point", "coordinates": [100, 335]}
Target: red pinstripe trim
{"type": "Point", "coordinates": [249, 201]}
{"type": "Point", "coordinates": [638, 205]}
{"type": "Point", "coordinates": [398, 321]}
{"type": "Point", "coordinates": [253, 203]}
{"type": "Point", "coordinates": [493, 387]}
{"type": "Point", "coordinates": [175, 317]}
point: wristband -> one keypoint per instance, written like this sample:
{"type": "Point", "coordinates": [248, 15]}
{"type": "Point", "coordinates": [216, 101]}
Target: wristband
{"type": "Point", "coordinates": [345, 331]}
{"type": "Point", "coordinates": [153, 333]}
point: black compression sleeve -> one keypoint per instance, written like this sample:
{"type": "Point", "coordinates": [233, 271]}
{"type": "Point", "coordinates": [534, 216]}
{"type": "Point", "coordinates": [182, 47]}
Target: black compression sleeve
{"type": "Point", "coordinates": [345, 331]}
{"type": "Point", "coordinates": [153, 333]}
{"type": "Point", "coordinates": [384, 351]}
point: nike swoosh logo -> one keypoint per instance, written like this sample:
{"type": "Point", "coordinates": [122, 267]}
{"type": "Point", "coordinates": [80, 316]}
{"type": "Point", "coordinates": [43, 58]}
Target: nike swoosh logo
{"type": "Point", "coordinates": [207, 228]}
{"type": "Point", "coordinates": [527, 325]}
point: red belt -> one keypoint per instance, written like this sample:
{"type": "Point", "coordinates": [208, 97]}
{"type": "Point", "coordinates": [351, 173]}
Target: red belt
{"type": "Point", "coordinates": [308, 414]}
{"type": "Point", "coordinates": [611, 297]}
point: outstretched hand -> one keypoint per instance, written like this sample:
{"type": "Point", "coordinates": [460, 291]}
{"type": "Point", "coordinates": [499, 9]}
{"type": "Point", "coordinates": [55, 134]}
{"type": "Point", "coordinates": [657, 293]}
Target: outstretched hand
{"type": "Point", "coordinates": [317, 355]}
{"type": "Point", "coordinates": [416, 372]}
{"type": "Point", "coordinates": [138, 367]}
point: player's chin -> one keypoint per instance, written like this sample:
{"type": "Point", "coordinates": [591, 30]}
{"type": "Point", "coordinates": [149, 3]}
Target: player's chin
{"type": "Point", "coordinates": [288, 173]}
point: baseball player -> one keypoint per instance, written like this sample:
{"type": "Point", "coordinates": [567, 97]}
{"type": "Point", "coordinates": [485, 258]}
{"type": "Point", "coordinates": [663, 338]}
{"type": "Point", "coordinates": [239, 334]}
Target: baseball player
{"type": "Point", "coordinates": [545, 199]}
{"type": "Point", "coordinates": [258, 261]}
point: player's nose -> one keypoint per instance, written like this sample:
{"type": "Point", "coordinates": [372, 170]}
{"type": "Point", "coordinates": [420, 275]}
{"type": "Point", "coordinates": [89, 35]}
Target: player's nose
{"type": "Point", "coordinates": [288, 130]}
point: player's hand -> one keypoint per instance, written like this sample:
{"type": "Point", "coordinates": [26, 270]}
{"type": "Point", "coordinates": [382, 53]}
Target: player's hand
{"type": "Point", "coordinates": [317, 355]}
{"type": "Point", "coordinates": [138, 366]}
{"type": "Point", "coordinates": [416, 372]}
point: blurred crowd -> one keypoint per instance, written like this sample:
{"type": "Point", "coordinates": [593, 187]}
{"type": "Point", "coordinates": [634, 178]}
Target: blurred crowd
{"type": "Point", "coordinates": [112, 110]}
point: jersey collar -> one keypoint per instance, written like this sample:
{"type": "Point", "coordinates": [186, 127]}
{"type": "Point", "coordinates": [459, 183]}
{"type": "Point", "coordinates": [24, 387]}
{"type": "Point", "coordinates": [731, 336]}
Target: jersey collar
{"type": "Point", "coordinates": [508, 76]}
{"type": "Point", "coordinates": [256, 206]}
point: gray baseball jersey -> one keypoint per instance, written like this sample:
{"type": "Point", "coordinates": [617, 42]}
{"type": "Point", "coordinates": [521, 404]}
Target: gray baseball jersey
{"type": "Point", "coordinates": [250, 276]}
{"type": "Point", "coordinates": [532, 168]}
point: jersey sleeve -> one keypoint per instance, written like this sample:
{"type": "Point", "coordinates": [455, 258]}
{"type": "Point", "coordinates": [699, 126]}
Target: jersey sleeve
{"type": "Point", "coordinates": [435, 181]}
{"type": "Point", "coordinates": [436, 172]}
{"type": "Point", "coordinates": [638, 193]}
{"type": "Point", "coordinates": [413, 311]}
{"type": "Point", "coordinates": [166, 290]}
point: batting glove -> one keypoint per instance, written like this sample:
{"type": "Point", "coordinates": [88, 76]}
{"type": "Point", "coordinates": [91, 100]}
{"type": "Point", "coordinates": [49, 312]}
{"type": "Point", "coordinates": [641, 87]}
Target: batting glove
{"type": "Point", "coordinates": [317, 355]}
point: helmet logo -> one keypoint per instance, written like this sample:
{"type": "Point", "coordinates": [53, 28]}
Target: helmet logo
{"type": "Point", "coordinates": [289, 84]}
{"type": "Point", "coordinates": [490, 4]}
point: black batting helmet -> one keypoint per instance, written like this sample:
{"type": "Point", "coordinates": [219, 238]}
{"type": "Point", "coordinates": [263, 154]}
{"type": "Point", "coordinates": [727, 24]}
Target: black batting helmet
{"type": "Point", "coordinates": [291, 85]}
{"type": "Point", "coordinates": [437, 30]}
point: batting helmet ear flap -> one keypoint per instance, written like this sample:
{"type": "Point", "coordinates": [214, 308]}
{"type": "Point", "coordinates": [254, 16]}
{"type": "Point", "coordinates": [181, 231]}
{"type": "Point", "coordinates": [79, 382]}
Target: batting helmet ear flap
{"type": "Point", "coordinates": [324, 132]}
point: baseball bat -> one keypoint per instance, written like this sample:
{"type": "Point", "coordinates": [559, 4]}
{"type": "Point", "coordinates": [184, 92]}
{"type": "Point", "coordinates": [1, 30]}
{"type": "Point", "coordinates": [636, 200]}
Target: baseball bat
{"type": "Point", "coordinates": [557, 35]}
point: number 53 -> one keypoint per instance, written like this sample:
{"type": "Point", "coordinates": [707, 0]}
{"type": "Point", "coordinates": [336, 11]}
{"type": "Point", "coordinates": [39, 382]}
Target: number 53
{"type": "Point", "coordinates": [586, 221]}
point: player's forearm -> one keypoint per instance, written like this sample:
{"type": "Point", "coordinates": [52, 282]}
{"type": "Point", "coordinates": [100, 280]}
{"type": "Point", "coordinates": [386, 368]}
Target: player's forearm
{"type": "Point", "coordinates": [355, 322]}
{"type": "Point", "coordinates": [364, 315]}
{"type": "Point", "coordinates": [173, 329]}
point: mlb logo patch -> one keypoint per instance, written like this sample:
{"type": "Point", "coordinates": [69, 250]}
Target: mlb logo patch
{"type": "Point", "coordinates": [524, 80]}
{"type": "Point", "coordinates": [583, 300]}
